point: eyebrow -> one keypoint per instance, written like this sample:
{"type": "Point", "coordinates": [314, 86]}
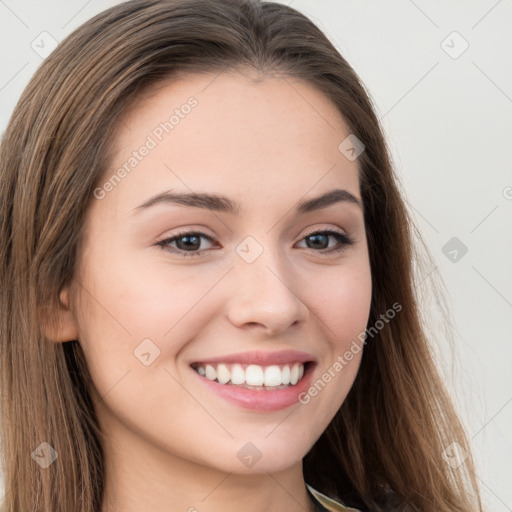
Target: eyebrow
{"type": "Point", "coordinates": [223, 204]}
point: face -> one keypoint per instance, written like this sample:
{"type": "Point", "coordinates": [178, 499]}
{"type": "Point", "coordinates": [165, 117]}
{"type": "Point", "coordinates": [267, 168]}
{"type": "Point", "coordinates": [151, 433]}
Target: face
{"type": "Point", "coordinates": [250, 289]}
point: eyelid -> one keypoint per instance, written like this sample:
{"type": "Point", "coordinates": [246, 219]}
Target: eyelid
{"type": "Point", "coordinates": [176, 236]}
{"type": "Point", "coordinates": [185, 231]}
{"type": "Point", "coordinates": [323, 230]}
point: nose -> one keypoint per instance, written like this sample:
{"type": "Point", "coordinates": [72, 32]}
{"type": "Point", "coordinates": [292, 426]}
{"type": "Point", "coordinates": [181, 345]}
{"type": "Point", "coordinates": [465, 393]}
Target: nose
{"type": "Point", "coordinates": [265, 295]}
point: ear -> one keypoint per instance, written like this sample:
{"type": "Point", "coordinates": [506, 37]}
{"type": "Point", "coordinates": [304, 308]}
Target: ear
{"type": "Point", "coordinates": [67, 329]}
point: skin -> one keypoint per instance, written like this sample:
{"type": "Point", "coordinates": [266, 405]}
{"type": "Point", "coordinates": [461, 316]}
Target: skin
{"type": "Point", "coordinates": [267, 143]}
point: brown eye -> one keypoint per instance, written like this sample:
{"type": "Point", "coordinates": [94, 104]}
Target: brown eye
{"type": "Point", "coordinates": [320, 240]}
{"type": "Point", "coordinates": [187, 243]}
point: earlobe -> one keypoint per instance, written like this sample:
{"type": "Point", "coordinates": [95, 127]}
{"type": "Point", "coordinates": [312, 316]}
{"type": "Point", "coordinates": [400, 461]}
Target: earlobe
{"type": "Point", "coordinates": [66, 328]}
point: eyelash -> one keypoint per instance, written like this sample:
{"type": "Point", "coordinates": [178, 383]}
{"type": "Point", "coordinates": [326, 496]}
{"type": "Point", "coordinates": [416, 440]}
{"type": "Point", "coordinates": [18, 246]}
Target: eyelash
{"type": "Point", "coordinates": [343, 239]}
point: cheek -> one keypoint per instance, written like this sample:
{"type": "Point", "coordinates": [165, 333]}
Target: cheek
{"type": "Point", "coordinates": [342, 309]}
{"type": "Point", "coordinates": [144, 301]}
{"type": "Point", "coordinates": [125, 303]}
{"type": "Point", "coordinates": [342, 301]}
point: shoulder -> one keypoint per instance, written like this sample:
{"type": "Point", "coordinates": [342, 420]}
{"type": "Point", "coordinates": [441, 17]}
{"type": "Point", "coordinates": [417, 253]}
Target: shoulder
{"type": "Point", "coordinates": [328, 503]}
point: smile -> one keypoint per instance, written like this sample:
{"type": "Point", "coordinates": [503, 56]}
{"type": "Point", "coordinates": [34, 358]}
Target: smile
{"type": "Point", "coordinates": [252, 376]}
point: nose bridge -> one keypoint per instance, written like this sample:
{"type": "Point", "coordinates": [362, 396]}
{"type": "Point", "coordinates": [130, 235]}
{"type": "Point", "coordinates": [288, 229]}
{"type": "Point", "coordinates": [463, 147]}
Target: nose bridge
{"type": "Point", "coordinates": [265, 291]}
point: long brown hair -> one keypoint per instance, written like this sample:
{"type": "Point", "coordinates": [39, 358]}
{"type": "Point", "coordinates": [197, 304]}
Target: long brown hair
{"type": "Point", "coordinates": [386, 441]}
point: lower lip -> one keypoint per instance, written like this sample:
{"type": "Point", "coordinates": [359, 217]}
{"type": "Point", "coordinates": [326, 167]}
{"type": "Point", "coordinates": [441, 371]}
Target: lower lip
{"type": "Point", "coordinates": [261, 400]}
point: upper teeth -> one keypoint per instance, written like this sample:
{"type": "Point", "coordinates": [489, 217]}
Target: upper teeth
{"type": "Point", "coordinates": [253, 374]}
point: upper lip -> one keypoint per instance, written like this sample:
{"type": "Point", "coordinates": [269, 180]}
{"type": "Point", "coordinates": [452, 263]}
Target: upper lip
{"type": "Point", "coordinates": [260, 358]}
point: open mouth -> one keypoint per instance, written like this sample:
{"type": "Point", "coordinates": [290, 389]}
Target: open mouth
{"type": "Point", "coordinates": [254, 376]}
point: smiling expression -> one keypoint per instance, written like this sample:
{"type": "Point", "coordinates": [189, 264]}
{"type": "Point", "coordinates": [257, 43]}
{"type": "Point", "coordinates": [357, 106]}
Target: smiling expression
{"type": "Point", "coordinates": [230, 259]}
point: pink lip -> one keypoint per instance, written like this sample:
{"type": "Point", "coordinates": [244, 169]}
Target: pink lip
{"type": "Point", "coordinates": [261, 358]}
{"type": "Point", "coordinates": [261, 400]}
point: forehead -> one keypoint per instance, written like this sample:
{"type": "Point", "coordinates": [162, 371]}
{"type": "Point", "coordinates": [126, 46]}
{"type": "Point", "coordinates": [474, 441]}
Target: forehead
{"type": "Point", "coordinates": [229, 133]}
{"type": "Point", "coordinates": [233, 107]}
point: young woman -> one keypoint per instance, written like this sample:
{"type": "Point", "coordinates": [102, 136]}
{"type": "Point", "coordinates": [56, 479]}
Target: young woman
{"type": "Point", "coordinates": [207, 290]}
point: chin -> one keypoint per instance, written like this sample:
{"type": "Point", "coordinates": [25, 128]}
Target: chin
{"type": "Point", "coordinates": [262, 456]}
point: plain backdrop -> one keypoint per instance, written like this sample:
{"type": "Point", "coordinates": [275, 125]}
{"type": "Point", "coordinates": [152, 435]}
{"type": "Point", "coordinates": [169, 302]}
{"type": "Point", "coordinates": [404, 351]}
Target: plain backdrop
{"type": "Point", "coordinates": [440, 76]}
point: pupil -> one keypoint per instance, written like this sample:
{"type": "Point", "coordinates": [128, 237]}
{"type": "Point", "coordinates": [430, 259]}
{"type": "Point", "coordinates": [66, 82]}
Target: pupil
{"type": "Point", "coordinates": [316, 238]}
{"type": "Point", "coordinates": [189, 245]}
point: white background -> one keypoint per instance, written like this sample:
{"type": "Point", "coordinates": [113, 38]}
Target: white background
{"type": "Point", "coordinates": [448, 123]}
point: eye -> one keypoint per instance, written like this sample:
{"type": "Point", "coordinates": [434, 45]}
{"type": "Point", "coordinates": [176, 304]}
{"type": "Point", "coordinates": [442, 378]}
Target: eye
{"type": "Point", "coordinates": [320, 240]}
{"type": "Point", "coordinates": [189, 242]}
